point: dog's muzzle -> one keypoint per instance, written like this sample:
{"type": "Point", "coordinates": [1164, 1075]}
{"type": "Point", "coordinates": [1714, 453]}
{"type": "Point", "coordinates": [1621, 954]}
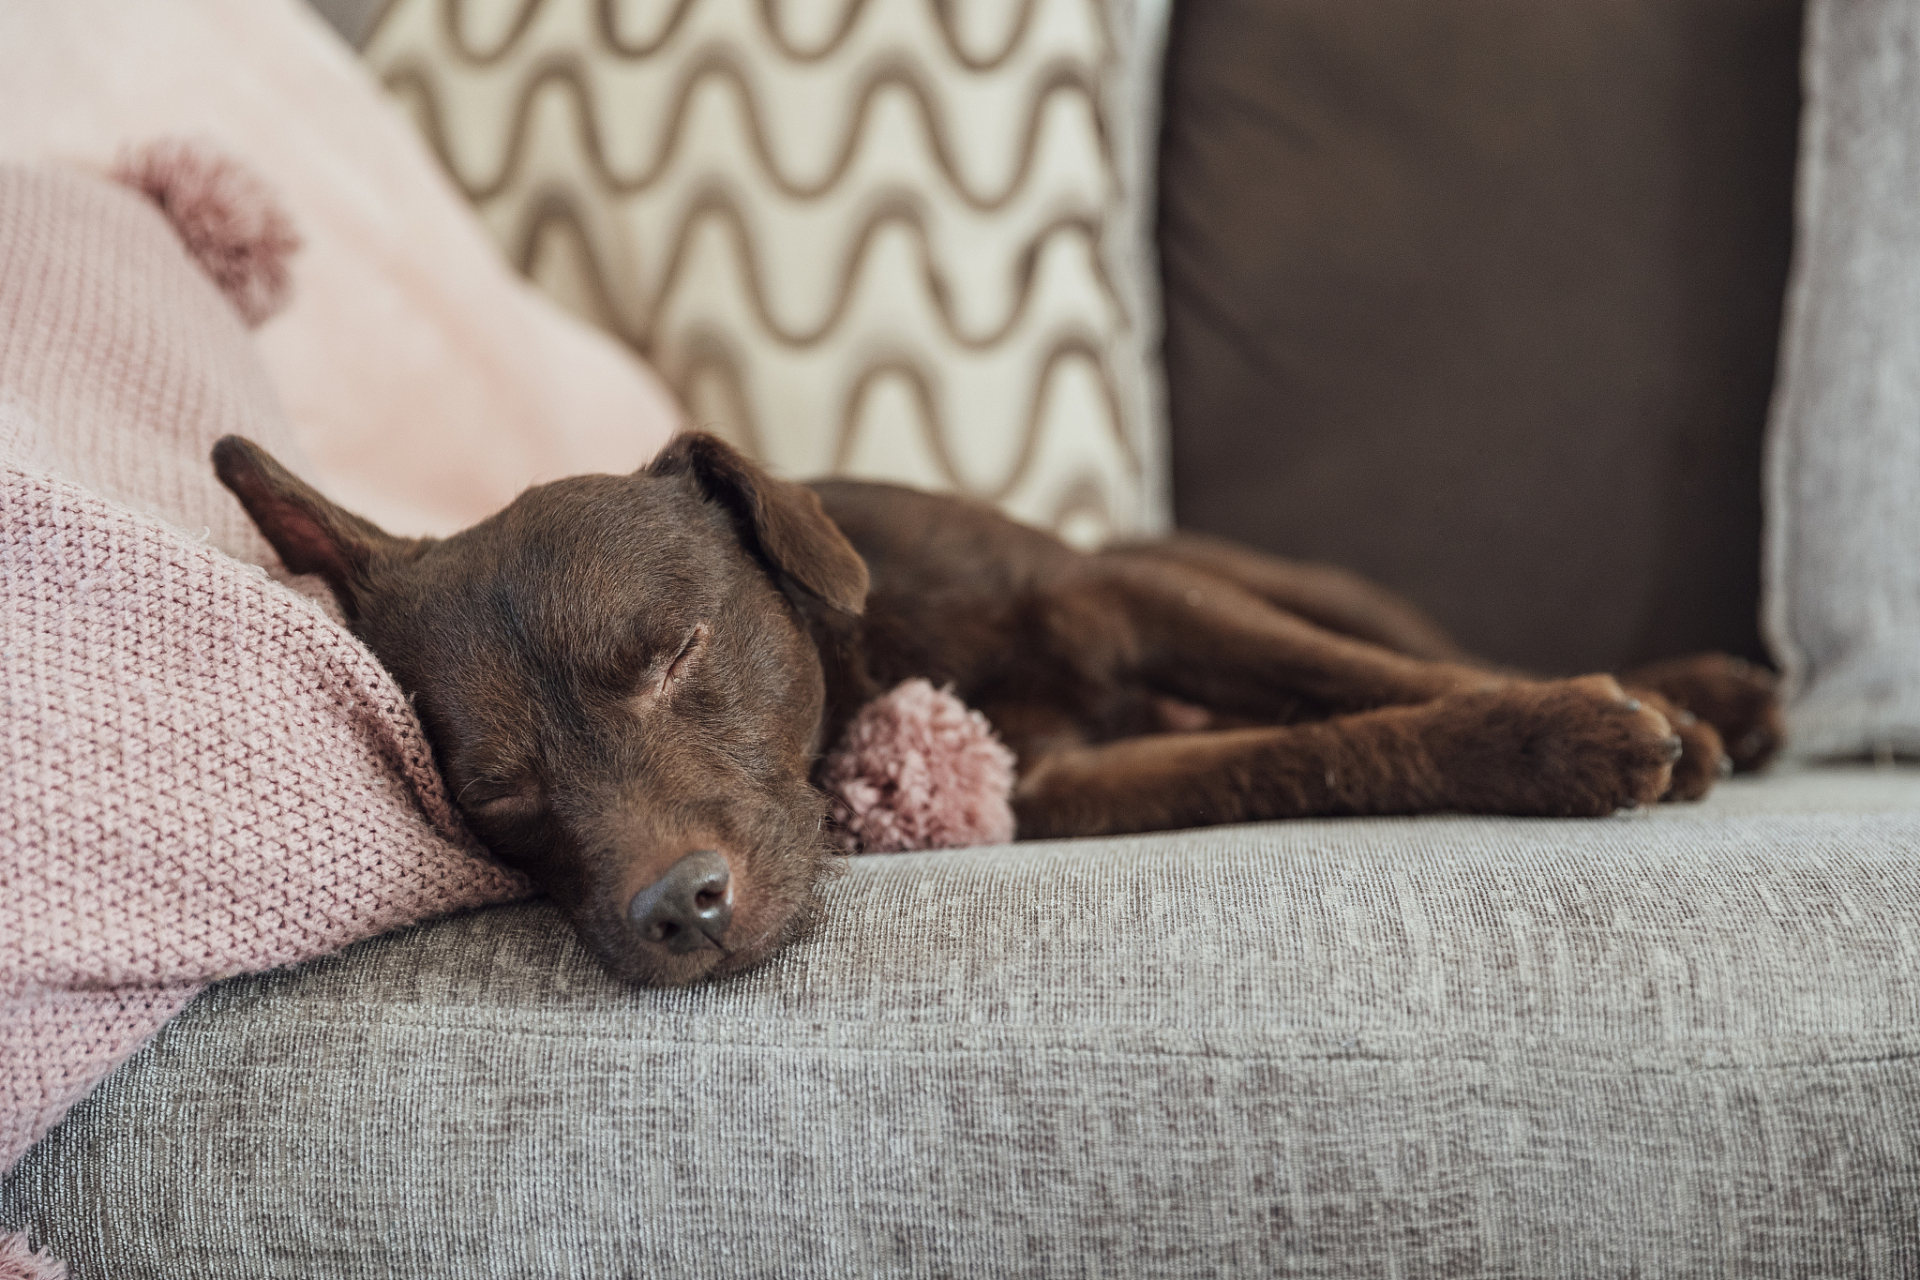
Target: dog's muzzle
{"type": "Point", "coordinates": [688, 908]}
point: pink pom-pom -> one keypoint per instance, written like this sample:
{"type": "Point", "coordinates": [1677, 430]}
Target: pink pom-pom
{"type": "Point", "coordinates": [918, 769]}
{"type": "Point", "coordinates": [20, 1261]}
{"type": "Point", "coordinates": [227, 218]}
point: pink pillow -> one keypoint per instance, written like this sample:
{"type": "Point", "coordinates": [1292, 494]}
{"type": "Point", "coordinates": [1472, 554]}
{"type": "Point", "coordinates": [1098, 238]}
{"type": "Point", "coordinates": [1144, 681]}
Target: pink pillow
{"type": "Point", "coordinates": [427, 383]}
{"type": "Point", "coordinates": [201, 774]}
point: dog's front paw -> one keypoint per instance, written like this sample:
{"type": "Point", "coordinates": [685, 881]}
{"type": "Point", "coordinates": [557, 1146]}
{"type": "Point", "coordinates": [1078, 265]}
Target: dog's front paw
{"type": "Point", "coordinates": [1740, 700]}
{"type": "Point", "coordinates": [1563, 748]}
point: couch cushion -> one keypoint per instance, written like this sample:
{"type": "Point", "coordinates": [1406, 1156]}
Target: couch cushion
{"type": "Point", "coordinates": [1481, 300]}
{"type": "Point", "coordinates": [1676, 1043]}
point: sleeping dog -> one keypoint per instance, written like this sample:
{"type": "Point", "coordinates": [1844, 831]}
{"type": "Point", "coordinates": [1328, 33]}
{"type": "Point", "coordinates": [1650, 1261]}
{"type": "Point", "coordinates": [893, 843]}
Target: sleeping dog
{"type": "Point", "coordinates": [628, 682]}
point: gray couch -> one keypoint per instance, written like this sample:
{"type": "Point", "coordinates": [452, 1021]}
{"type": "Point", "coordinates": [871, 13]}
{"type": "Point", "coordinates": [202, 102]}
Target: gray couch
{"type": "Point", "coordinates": [1673, 1043]}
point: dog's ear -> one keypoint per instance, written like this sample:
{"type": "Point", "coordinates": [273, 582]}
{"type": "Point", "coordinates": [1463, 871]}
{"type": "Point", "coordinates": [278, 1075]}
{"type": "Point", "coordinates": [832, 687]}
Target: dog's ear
{"type": "Point", "coordinates": [311, 534]}
{"type": "Point", "coordinates": [785, 521]}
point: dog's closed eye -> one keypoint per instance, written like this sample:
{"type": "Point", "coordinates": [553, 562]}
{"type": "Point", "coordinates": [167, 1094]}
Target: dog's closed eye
{"type": "Point", "coordinates": [659, 679]}
{"type": "Point", "coordinates": [495, 802]}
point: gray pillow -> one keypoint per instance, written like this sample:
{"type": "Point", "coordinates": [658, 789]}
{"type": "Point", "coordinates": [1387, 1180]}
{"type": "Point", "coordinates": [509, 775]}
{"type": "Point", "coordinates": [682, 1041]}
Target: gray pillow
{"type": "Point", "coordinates": [1842, 606]}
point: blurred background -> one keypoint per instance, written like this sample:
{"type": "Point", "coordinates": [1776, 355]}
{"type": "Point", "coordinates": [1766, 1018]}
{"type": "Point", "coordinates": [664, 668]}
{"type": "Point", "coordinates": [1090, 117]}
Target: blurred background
{"type": "Point", "coordinates": [1480, 298]}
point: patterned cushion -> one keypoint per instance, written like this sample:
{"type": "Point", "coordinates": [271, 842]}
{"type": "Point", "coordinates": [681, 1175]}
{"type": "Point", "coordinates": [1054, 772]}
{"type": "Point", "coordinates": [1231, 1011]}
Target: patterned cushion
{"type": "Point", "coordinates": [888, 238]}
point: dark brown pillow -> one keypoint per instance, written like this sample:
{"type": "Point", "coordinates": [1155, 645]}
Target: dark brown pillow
{"type": "Point", "coordinates": [1480, 298]}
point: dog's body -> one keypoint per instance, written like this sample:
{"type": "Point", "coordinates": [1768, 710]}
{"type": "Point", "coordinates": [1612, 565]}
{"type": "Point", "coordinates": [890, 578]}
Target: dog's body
{"type": "Point", "coordinates": [628, 681]}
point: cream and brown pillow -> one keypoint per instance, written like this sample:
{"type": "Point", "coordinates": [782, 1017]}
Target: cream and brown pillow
{"type": "Point", "coordinates": [900, 239]}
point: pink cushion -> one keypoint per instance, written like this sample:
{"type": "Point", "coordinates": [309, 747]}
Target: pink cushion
{"type": "Point", "coordinates": [203, 773]}
{"type": "Point", "coordinates": [427, 383]}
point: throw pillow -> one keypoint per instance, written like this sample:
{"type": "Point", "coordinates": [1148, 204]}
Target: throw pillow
{"type": "Point", "coordinates": [201, 774]}
{"type": "Point", "coordinates": [426, 382]}
{"type": "Point", "coordinates": [1842, 604]}
{"type": "Point", "coordinates": [896, 239]}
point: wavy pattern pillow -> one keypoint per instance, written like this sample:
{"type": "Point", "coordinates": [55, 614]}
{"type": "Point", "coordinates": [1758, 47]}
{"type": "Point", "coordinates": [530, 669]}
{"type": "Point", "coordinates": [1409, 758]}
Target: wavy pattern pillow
{"type": "Point", "coordinates": [900, 239]}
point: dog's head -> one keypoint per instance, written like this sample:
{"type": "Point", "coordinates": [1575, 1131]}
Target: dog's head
{"type": "Point", "coordinates": [619, 680]}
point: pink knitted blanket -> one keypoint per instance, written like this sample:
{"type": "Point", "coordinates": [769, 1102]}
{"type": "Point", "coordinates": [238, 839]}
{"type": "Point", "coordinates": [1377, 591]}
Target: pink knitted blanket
{"type": "Point", "coordinates": [201, 773]}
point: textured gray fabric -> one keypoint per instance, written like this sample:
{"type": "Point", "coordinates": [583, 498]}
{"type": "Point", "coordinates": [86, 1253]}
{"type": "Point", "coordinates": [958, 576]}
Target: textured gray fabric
{"type": "Point", "coordinates": [1677, 1043]}
{"type": "Point", "coordinates": [1842, 566]}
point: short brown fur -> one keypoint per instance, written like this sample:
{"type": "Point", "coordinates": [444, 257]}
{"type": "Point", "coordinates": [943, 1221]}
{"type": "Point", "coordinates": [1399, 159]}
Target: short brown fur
{"type": "Point", "coordinates": [615, 671]}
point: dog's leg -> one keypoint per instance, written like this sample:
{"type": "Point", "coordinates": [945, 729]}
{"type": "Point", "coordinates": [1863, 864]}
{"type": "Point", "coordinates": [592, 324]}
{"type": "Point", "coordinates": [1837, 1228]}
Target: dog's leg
{"type": "Point", "coordinates": [1326, 595]}
{"type": "Point", "coordinates": [1569, 748]}
{"type": "Point", "coordinates": [1203, 639]}
{"type": "Point", "coordinates": [1724, 709]}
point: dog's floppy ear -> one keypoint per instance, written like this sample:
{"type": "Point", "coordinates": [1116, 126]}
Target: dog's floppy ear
{"type": "Point", "coordinates": [311, 534]}
{"type": "Point", "coordinates": [789, 528]}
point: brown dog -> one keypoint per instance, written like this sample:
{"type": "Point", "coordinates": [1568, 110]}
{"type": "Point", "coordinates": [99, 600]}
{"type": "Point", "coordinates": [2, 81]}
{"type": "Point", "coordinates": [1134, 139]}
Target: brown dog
{"type": "Point", "coordinates": [628, 681]}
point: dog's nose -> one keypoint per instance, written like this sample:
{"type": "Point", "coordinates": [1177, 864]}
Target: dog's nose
{"type": "Point", "coordinates": [687, 908]}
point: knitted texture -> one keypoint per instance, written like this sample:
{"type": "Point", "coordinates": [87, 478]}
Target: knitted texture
{"type": "Point", "coordinates": [201, 774]}
{"type": "Point", "coordinates": [918, 769]}
{"type": "Point", "coordinates": [427, 383]}
{"type": "Point", "coordinates": [19, 1260]}
{"type": "Point", "coordinates": [127, 363]}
